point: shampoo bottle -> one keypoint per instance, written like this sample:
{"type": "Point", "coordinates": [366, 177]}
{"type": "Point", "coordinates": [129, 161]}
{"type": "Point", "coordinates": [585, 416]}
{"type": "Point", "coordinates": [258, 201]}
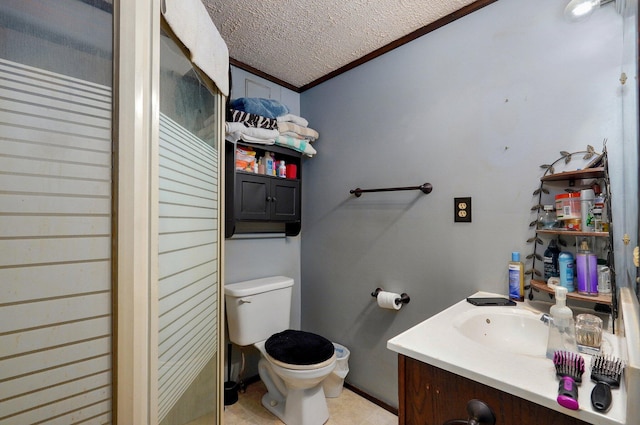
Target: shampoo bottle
{"type": "Point", "coordinates": [562, 333]}
{"type": "Point", "coordinates": [516, 278]}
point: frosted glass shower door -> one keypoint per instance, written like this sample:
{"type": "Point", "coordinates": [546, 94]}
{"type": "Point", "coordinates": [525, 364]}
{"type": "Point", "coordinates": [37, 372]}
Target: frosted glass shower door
{"type": "Point", "coordinates": [55, 212]}
{"type": "Point", "coordinates": [188, 243]}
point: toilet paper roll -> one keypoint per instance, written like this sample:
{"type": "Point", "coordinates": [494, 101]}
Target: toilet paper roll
{"type": "Point", "coordinates": [388, 300]}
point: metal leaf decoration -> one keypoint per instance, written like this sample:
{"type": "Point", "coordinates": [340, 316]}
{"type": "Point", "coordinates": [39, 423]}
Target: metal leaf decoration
{"type": "Point", "coordinates": [564, 154]}
{"type": "Point", "coordinates": [567, 159]}
{"type": "Point", "coordinates": [528, 272]}
{"type": "Point", "coordinates": [537, 192]}
{"type": "Point", "coordinates": [531, 239]}
{"type": "Point", "coordinates": [533, 223]}
{"type": "Point", "coordinates": [529, 257]}
{"type": "Point", "coordinates": [537, 273]}
{"type": "Point", "coordinates": [545, 190]}
{"type": "Point", "coordinates": [537, 207]}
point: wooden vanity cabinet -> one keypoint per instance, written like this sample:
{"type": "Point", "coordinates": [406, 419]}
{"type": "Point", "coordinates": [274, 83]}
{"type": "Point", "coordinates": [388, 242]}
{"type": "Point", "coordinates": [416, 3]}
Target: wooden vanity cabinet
{"type": "Point", "coordinates": [432, 396]}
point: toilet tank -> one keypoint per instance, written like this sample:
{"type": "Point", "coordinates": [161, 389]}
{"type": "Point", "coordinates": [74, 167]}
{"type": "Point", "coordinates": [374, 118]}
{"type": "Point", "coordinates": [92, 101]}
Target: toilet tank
{"type": "Point", "coordinates": [256, 309]}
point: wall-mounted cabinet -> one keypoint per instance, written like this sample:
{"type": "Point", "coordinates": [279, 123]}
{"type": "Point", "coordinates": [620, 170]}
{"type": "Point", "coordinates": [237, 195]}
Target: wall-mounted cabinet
{"type": "Point", "coordinates": [260, 203]}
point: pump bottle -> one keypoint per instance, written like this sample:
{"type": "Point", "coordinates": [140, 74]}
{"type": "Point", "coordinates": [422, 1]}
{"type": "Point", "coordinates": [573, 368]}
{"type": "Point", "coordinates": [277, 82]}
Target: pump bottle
{"type": "Point", "coordinates": [562, 333]}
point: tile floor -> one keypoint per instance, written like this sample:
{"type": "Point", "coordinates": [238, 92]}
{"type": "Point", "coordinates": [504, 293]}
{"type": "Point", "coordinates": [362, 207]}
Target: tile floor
{"type": "Point", "coordinates": [348, 409]}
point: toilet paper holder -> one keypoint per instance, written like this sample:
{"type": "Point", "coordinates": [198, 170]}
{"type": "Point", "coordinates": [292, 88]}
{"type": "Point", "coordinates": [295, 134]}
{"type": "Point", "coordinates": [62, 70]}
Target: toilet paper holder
{"type": "Point", "coordinates": [404, 297]}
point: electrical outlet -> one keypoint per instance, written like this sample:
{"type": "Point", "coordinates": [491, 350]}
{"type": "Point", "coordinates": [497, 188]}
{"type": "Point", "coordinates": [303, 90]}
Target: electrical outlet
{"type": "Point", "coordinates": [462, 210]}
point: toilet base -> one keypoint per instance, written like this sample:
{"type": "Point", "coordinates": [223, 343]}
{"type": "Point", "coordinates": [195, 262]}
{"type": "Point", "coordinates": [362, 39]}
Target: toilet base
{"type": "Point", "coordinates": [301, 407]}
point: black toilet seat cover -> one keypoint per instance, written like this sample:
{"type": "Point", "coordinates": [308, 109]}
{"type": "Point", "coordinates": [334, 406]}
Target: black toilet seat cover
{"type": "Point", "coordinates": [299, 347]}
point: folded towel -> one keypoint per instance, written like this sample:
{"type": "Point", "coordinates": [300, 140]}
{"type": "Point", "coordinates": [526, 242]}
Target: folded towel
{"type": "Point", "coordinates": [294, 119]}
{"type": "Point", "coordinates": [269, 108]}
{"type": "Point", "coordinates": [300, 145]}
{"type": "Point", "coordinates": [253, 120]}
{"type": "Point", "coordinates": [235, 137]}
{"type": "Point", "coordinates": [237, 130]}
{"type": "Point", "coordinates": [289, 128]}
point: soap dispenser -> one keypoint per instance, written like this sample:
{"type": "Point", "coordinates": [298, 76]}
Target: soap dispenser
{"type": "Point", "coordinates": [562, 332]}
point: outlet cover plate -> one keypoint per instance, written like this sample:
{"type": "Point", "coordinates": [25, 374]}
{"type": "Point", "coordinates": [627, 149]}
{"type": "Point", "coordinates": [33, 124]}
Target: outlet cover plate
{"type": "Point", "coordinates": [462, 210]}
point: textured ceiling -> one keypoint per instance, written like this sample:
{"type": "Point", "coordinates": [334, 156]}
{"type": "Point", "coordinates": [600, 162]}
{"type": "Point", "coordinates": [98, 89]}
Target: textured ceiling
{"type": "Point", "coordinates": [302, 41]}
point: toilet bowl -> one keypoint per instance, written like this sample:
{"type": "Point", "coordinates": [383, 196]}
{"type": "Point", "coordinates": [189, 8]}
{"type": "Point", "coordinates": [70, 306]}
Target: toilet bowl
{"type": "Point", "coordinates": [295, 393]}
{"type": "Point", "coordinates": [293, 363]}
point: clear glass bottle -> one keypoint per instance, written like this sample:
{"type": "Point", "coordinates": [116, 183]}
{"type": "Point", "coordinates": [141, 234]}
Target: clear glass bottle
{"type": "Point", "coordinates": [548, 218]}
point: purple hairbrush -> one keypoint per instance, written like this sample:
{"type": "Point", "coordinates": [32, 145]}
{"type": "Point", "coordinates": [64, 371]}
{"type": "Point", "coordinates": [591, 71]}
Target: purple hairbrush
{"type": "Point", "coordinates": [569, 368]}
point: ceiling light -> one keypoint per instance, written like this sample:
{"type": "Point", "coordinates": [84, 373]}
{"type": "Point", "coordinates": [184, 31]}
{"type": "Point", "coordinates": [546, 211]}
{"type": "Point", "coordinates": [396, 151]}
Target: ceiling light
{"type": "Point", "coordinates": [579, 10]}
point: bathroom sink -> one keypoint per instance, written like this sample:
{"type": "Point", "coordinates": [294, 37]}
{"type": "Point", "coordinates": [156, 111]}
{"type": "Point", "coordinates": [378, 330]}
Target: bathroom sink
{"type": "Point", "coordinates": [504, 329]}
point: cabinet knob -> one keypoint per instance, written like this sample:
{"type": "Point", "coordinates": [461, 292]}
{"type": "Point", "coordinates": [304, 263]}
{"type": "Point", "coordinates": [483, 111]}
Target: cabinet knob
{"type": "Point", "coordinates": [268, 198]}
{"type": "Point", "coordinates": [273, 199]}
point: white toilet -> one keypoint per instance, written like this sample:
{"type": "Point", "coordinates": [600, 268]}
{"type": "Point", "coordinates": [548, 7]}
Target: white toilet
{"type": "Point", "coordinates": [293, 363]}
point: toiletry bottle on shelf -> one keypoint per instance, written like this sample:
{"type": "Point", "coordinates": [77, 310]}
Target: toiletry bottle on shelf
{"type": "Point", "coordinates": [587, 270]}
{"type": "Point", "coordinates": [566, 265]}
{"type": "Point", "coordinates": [548, 219]}
{"type": "Point", "coordinates": [516, 278]}
{"type": "Point", "coordinates": [562, 332]}
{"type": "Point", "coordinates": [268, 164]}
{"type": "Point", "coordinates": [550, 258]}
{"type": "Point", "coordinates": [598, 208]}
{"type": "Point", "coordinates": [260, 166]}
{"type": "Point", "coordinates": [587, 197]}
{"type": "Point", "coordinates": [282, 170]}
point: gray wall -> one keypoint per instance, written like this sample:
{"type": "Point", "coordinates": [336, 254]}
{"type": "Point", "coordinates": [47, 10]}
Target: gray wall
{"type": "Point", "coordinates": [473, 108]}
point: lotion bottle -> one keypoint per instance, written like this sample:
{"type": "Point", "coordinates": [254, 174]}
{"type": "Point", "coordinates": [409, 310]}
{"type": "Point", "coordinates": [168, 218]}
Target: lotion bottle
{"type": "Point", "coordinates": [269, 164]}
{"type": "Point", "coordinates": [516, 277]}
{"type": "Point", "coordinates": [562, 333]}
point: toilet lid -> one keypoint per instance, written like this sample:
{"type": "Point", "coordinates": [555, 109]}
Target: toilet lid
{"type": "Point", "coordinates": [299, 347]}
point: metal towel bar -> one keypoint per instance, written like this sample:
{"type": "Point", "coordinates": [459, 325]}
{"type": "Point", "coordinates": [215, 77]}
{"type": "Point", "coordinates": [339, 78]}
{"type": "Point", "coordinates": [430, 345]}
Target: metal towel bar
{"type": "Point", "coordinates": [425, 188]}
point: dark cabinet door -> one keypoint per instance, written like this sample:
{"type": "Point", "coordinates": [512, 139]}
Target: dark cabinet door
{"type": "Point", "coordinates": [263, 198]}
{"type": "Point", "coordinates": [252, 200]}
{"type": "Point", "coordinates": [432, 396]}
{"type": "Point", "coordinates": [285, 200]}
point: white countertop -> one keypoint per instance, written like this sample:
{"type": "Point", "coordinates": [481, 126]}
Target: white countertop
{"type": "Point", "coordinates": [531, 377]}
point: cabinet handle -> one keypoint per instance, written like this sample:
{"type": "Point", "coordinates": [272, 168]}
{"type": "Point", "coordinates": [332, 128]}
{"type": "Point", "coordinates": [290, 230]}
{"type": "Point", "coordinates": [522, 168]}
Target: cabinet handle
{"type": "Point", "coordinates": [479, 414]}
{"type": "Point", "coordinates": [274, 199]}
{"type": "Point", "coordinates": [268, 198]}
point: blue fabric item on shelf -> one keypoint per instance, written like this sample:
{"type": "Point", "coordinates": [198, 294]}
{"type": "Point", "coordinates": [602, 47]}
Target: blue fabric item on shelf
{"type": "Point", "coordinates": [269, 108]}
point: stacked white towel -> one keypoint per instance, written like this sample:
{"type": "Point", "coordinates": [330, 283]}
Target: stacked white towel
{"type": "Point", "coordinates": [291, 131]}
{"type": "Point", "coordinates": [294, 133]}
